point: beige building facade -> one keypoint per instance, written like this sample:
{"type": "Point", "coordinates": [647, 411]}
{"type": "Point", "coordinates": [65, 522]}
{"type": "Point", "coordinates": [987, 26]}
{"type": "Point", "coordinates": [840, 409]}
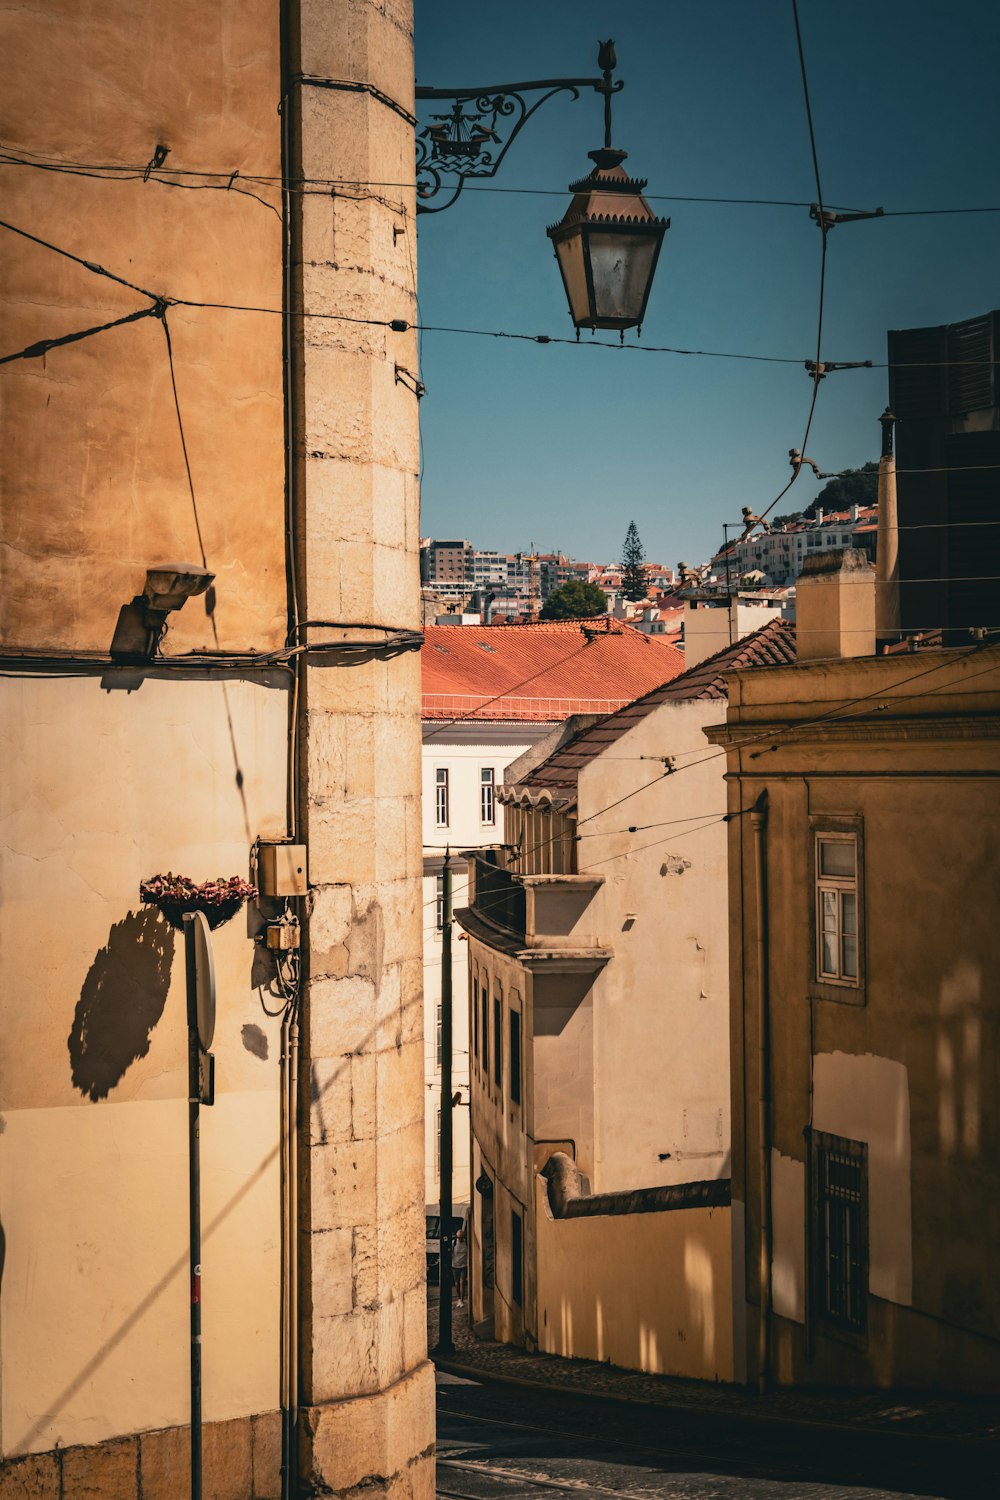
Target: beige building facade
{"type": "Point", "coordinates": [599, 1018]}
{"type": "Point", "coordinates": [864, 794]}
{"type": "Point", "coordinates": [233, 421]}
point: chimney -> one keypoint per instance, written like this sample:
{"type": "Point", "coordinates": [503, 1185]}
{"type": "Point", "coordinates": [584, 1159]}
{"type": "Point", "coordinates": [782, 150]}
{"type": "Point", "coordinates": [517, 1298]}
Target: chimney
{"type": "Point", "coordinates": [887, 550]}
{"type": "Point", "coordinates": [835, 606]}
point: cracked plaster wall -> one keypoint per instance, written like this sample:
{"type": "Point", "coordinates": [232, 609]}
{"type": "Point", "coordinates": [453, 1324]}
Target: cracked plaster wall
{"type": "Point", "coordinates": [93, 478]}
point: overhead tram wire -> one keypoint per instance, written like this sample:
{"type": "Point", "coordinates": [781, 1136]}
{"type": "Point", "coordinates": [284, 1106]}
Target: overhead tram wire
{"type": "Point", "coordinates": [837, 715]}
{"type": "Point", "coordinates": [233, 180]}
{"type": "Point", "coordinates": [401, 325]}
{"type": "Point", "coordinates": [824, 232]}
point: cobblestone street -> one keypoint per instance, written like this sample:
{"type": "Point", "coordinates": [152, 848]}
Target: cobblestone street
{"type": "Point", "coordinates": [512, 1423]}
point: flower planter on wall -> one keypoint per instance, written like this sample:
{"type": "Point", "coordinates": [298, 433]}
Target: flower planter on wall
{"type": "Point", "coordinates": [175, 895]}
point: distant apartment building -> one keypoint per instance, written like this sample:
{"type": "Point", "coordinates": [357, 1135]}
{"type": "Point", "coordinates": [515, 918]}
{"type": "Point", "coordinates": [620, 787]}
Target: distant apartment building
{"type": "Point", "coordinates": [489, 569]}
{"type": "Point", "coordinates": [780, 555]}
{"type": "Point", "coordinates": [446, 562]}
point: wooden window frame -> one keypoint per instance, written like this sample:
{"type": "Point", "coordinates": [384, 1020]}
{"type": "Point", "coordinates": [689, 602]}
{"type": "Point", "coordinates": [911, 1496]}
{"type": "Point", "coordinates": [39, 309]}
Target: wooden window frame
{"type": "Point", "coordinates": [836, 826]}
{"type": "Point", "coordinates": [442, 797]}
{"type": "Point", "coordinates": [488, 795]}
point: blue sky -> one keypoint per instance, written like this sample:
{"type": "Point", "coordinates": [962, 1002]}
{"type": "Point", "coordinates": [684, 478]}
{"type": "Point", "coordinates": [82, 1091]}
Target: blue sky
{"type": "Point", "coordinates": [560, 446]}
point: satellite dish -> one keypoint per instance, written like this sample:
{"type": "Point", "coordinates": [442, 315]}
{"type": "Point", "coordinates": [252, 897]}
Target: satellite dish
{"type": "Point", "coordinates": [204, 971]}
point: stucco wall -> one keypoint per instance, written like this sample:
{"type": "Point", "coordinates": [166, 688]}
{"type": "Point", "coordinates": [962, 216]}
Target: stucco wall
{"type": "Point", "coordinates": [93, 483]}
{"type": "Point", "coordinates": [100, 790]}
{"type": "Point", "coordinates": [906, 1063]}
{"type": "Point", "coordinates": [649, 1292]}
{"type": "Point", "coordinates": [661, 1006]}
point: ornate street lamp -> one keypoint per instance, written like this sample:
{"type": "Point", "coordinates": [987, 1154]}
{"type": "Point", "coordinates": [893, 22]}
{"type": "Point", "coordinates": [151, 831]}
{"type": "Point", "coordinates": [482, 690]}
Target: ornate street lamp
{"type": "Point", "coordinates": [609, 241]}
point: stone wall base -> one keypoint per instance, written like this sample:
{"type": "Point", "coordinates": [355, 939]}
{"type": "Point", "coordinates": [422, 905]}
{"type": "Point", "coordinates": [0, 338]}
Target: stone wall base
{"type": "Point", "coordinates": [241, 1461]}
{"type": "Point", "coordinates": [378, 1445]}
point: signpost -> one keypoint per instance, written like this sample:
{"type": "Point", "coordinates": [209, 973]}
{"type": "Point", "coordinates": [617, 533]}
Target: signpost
{"type": "Point", "coordinates": [201, 1090]}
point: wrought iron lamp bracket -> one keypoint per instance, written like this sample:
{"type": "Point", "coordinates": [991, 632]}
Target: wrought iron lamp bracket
{"type": "Point", "coordinates": [467, 143]}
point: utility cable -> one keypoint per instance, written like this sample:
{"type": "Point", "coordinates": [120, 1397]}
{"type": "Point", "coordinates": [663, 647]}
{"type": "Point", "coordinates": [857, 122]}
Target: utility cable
{"type": "Point", "coordinates": [824, 231]}
{"type": "Point", "coordinates": [402, 325]}
{"type": "Point", "coordinates": [21, 157]}
{"type": "Point", "coordinates": [180, 428]}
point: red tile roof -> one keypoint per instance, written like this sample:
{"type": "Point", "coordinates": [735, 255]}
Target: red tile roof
{"type": "Point", "coordinates": [773, 645]}
{"type": "Point", "coordinates": [542, 672]}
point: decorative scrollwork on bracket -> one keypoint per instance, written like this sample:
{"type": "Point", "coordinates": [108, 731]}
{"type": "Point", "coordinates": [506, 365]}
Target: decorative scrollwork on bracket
{"type": "Point", "coordinates": [473, 137]}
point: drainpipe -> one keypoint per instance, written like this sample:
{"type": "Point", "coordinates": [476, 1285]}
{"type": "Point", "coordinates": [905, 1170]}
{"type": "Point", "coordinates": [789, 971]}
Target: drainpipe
{"type": "Point", "coordinates": [288, 1082]}
{"type": "Point", "coordinates": [887, 557]}
{"type": "Point", "coordinates": [758, 823]}
{"type": "Point", "coordinates": [293, 1258]}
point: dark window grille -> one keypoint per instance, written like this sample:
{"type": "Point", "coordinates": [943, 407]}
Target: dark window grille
{"type": "Point", "coordinates": [515, 1057]}
{"type": "Point", "coordinates": [485, 1014]}
{"type": "Point", "coordinates": [516, 1259]}
{"type": "Point", "coordinates": [497, 1042]}
{"type": "Point", "coordinates": [840, 1174]}
{"type": "Point", "coordinates": [475, 1018]}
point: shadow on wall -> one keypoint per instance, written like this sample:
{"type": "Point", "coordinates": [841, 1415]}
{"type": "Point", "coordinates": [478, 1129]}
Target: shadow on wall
{"type": "Point", "coordinates": [121, 1001]}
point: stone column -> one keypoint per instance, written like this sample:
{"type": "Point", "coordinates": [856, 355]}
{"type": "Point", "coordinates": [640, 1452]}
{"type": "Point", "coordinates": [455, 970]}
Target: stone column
{"type": "Point", "coordinates": [367, 1415]}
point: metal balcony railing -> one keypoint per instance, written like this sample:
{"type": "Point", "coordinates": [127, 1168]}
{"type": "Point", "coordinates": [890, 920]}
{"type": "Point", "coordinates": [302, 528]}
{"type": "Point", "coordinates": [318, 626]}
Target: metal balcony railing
{"type": "Point", "coordinates": [499, 896]}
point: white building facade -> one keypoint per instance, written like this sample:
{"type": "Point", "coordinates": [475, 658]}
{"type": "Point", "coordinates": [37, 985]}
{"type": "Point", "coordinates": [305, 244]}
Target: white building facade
{"type": "Point", "coordinates": [463, 765]}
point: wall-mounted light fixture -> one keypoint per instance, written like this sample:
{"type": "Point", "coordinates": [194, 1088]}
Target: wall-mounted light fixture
{"type": "Point", "coordinates": [142, 622]}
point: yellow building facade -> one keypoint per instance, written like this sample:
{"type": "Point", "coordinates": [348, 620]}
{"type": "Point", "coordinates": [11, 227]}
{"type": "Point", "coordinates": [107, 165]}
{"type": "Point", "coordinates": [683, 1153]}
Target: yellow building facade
{"type": "Point", "coordinates": [865, 793]}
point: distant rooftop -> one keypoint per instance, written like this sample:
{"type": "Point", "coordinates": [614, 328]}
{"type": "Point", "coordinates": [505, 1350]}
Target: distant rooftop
{"type": "Point", "coordinates": [773, 645]}
{"type": "Point", "coordinates": [540, 672]}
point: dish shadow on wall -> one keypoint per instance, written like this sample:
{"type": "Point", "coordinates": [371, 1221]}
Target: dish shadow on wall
{"type": "Point", "coordinates": [121, 1001]}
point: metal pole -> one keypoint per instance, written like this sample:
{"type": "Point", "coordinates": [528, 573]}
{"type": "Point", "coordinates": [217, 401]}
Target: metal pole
{"type": "Point", "coordinates": [444, 1343]}
{"type": "Point", "coordinates": [194, 1201]}
{"type": "Point", "coordinates": [758, 822]}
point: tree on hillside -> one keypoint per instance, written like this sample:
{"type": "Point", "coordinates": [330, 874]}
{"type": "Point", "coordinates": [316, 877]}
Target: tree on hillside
{"type": "Point", "coordinates": [633, 572]}
{"type": "Point", "coordinates": [852, 487]}
{"type": "Point", "coordinates": [575, 601]}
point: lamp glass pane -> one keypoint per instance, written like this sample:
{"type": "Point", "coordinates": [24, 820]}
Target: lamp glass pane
{"type": "Point", "coordinates": [621, 265]}
{"type": "Point", "coordinates": [570, 253]}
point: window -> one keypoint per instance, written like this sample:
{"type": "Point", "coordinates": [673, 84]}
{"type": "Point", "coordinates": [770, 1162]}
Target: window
{"type": "Point", "coordinates": [516, 1259]}
{"type": "Point", "coordinates": [487, 798]}
{"type": "Point", "coordinates": [485, 1028]}
{"type": "Point", "coordinates": [515, 1056]}
{"type": "Point", "coordinates": [498, 1040]}
{"type": "Point", "coordinates": [441, 796]}
{"type": "Point", "coordinates": [837, 935]}
{"type": "Point", "coordinates": [475, 1017]}
{"type": "Point", "coordinates": [840, 1230]}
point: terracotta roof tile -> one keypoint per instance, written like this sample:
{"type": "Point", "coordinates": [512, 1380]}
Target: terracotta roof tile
{"type": "Point", "coordinates": [773, 645]}
{"type": "Point", "coordinates": [542, 672]}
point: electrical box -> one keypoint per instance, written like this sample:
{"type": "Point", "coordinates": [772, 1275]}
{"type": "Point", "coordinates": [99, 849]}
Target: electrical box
{"type": "Point", "coordinates": [281, 870]}
{"type": "Point", "coordinates": [282, 937]}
